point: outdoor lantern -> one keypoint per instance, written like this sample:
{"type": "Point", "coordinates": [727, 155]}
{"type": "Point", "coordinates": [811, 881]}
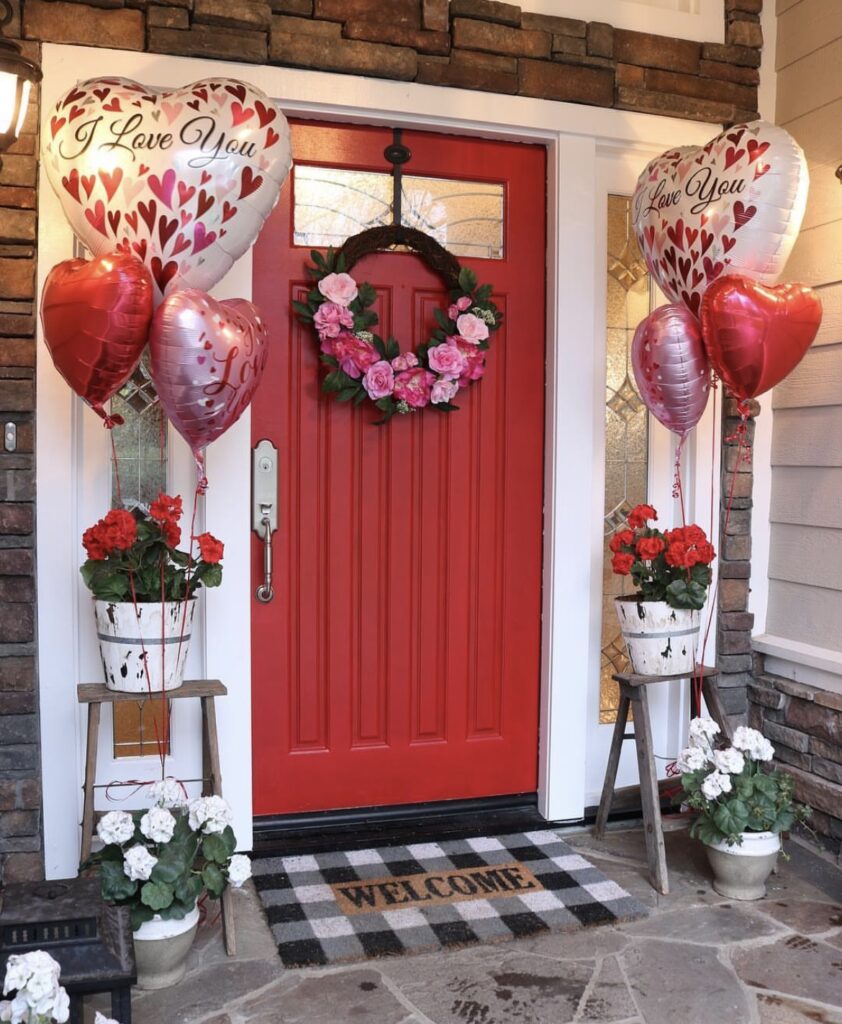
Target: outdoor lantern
{"type": "Point", "coordinates": [17, 75]}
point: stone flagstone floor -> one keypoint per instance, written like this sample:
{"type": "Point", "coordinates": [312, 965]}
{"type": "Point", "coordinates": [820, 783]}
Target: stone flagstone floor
{"type": "Point", "coordinates": [697, 959]}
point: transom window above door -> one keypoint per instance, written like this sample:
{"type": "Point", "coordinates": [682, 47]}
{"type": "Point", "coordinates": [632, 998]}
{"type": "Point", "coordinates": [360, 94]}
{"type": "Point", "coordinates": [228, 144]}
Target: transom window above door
{"type": "Point", "coordinates": [333, 203]}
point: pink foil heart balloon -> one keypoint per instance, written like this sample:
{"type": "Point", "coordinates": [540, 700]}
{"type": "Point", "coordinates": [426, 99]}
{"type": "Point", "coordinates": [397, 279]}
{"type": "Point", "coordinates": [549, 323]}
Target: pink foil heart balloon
{"type": "Point", "coordinates": [671, 368]}
{"type": "Point", "coordinates": [207, 359]}
{"type": "Point", "coordinates": [181, 178]}
{"type": "Point", "coordinates": [733, 206]}
{"type": "Point", "coordinates": [755, 336]}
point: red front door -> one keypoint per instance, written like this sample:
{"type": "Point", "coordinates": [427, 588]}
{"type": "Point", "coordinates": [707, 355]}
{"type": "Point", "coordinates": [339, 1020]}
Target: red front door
{"type": "Point", "coordinates": [399, 661]}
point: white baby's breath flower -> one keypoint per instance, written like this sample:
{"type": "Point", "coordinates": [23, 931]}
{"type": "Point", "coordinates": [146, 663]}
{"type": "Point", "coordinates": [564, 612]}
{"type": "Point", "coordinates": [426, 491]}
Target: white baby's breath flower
{"type": "Point", "coordinates": [730, 761]}
{"type": "Point", "coordinates": [158, 825]}
{"type": "Point", "coordinates": [715, 785]}
{"type": "Point", "coordinates": [702, 731]}
{"type": "Point", "coordinates": [138, 863]}
{"type": "Point", "coordinates": [239, 870]}
{"type": "Point", "coordinates": [115, 827]}
{"type": "Point", "coordinates": [168, 793]}
{"type": "Point", "coordinates": [691, 759]}
{"type": "Point", "coordinates": [210, 814]}
{"type": "Point", "coordinates": [365, 336]}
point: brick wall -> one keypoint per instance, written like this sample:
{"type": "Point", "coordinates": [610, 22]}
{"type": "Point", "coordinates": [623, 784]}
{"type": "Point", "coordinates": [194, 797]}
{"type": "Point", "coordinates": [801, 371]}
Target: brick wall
{"type": "Point", "coordinates": [805, 725]}
{"type": "Point", "coordinates": [471, 44]}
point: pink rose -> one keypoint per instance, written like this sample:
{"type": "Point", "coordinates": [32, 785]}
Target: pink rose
{"type": "Point", "coordinates": [355, 356]}
{"type": "Point", "coordinates": [453, 312]}
{"type": "Point", "coordinates": [413, 387]}
{"type": "Point", "coordinates": [447, 360]}
{"type": "Point", "coordinates": [331, 318]}
{"type": "Point", "coordinates": [405, 361]}
{"type": "Point", "coordinates": [463, 302]}
{"type": "Point", "coordinates": [379, 380]}
{"type": "Point", "coordinates": [471, 328]}
{"type": "Point", "coordinates": [474, 362]}
{"type": "Point", "coordinates": [339, 288]}
{"type": "Point", "coordinates": [443, 390]}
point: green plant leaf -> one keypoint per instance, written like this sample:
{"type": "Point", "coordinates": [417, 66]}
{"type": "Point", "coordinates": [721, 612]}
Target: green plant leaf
{"type": "Point", "coordinates": [214, 848]}
{"type": "Point", "coordinates": [189, 889]}
{"type": "Point", "coordinates": [156, 895]}
{"type": "Point", "coordinates": [214, 879]}
{"type": "Point", "coordinates": [140, 915]}
{"type": "Point", "coordinates": [367, 295]}
{"type": "Point", "coordinates": [467, 280]}
{"type": "Point", "coordinates": [116, 886]}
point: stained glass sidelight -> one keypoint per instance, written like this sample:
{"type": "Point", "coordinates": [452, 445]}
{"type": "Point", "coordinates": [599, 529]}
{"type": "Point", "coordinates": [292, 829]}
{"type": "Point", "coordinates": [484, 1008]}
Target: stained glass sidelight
{"type": "Point", "coordinates": [626, 428]}
{"type": "Point", "coordinates": [333, 203]}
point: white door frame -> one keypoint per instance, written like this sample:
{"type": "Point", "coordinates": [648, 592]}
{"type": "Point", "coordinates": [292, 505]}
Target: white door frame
{"type": "Point", "coordinates": [72, 449]}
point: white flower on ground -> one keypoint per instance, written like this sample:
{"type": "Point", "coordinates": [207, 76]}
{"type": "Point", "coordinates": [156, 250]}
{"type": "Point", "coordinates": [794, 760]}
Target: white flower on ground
{"type": "Point", "coordinates": [100, 1018]}
{"type": "Point", "coordinates": [691, 759]}
{"type": "Point", "coordinates": [168, 793]}
{"type": "Point", "coordinates": [702, 731]}
{"type": "Point", "coordinates": [730, 761]}
{"type": "Point", "coordinates": [138, 863]}
{"type": "Point", "coordinates": [753, 743]}
{"type": "Point", "coordinates": [35, 978]}
{"type": "Point", "coordinates": [209, 814]}
{"type": "Point", "coordinates": [716, 784]}
{"type": "Point", "coordinates": [239, 870]}
{"type": "Point", "coordinates": [115, 827]}
{"type": "Point", "coordinates": [158, 825]}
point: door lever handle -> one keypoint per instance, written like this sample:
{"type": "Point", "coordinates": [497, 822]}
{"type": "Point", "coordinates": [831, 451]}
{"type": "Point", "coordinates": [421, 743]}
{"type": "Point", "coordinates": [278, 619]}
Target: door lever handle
{"type": "Point", "coordinates": [265, 591]}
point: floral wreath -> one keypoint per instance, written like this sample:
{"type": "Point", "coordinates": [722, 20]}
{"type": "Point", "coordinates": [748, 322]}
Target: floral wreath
{"type": "Point", "coordinates": [364, 366]}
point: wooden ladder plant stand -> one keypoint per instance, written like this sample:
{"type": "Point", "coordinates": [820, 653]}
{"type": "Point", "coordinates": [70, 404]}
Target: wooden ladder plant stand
{"type": "Point", "coordinates": [633, 693]}
{"type": "Point", "coordinates": [97, 694]}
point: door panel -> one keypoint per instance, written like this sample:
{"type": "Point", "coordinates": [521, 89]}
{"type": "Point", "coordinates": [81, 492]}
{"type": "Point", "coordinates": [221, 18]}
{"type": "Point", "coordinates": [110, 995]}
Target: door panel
{"type": "Point", "coordinates": [400, 659]}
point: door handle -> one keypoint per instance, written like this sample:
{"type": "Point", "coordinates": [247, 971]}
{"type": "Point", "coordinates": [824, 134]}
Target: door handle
{"type": "Point", "coordinates": [264, 509]}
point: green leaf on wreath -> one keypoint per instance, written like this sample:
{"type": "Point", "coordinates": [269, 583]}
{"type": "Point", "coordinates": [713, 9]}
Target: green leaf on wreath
{"type": "Point", "coordinates": [341, 263]}
{"type": "Point", "coordinates": [360, 397]}
{"type": "Point", "coordinates": [347, 394]}
{"type": "Point", "coordinates": [329, 360]}
{"type": "Point", "coordinates": [366, 294]}
{"type": "Point", "coordinates": [483, 293]}
{"type": "Point", "coordinates": [467, 280]}
{"type": "Point", "coordinates": [377, 341]}
{"type": "Point", "coordinates": [156, 895]}
{"type": "Point", "coordinates": [317, 258]}
{"type": "Point", "coordinates": [446, 407]}
{"type": "Point", "coordinates": [304, 312]}
{"type": "Point", "coordinates": [443, 320]}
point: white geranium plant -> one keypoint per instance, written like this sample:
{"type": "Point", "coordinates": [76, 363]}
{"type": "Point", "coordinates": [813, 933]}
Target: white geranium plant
{"type": "Point", "coordinates": [161, 861]}
{"type": "Point", "coordinates": [33, 981]}
{"type": "Point", "coordinates": [733, 788]}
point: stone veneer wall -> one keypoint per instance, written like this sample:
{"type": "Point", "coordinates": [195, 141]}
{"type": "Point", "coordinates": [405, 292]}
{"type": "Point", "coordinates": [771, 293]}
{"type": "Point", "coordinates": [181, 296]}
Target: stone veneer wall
{"type": "Point", "coordinates": [805, 725]}
{"type": "Point", "coordinates": [469, 44]}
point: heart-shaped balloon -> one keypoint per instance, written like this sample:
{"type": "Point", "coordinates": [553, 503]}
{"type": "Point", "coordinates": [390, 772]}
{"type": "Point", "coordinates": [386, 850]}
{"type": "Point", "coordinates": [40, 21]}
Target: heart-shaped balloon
{"type": "Point", "coordinates": [754, 335]}
{"type": "Point", "coordinates": [95, 316]}
{"type": "Point", "coordinates": [733, 206]}
{"type": "Point", "coordinates": [206, 359]}
{"type": "Point", "coordinates": [181, 178]}
{"type": "Point", "coordinates": [671, 368]}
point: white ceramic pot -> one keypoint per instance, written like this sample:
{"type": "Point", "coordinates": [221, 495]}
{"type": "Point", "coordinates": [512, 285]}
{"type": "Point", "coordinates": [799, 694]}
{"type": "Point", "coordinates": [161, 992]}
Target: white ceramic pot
{"type": "Point", "coordinates": [156, 633]}
{"type": "Point", "coordinates": [161, 948]}
{"type": "Point", "coordinates": [740, 871]}
{"type": "Point", "coordinates": [660, 640]}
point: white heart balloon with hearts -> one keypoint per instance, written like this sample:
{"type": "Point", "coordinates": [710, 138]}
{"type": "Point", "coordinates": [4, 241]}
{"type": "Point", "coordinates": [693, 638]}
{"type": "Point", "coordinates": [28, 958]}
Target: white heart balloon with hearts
{"type": "Point", "coordinates": [733, 206]}
{"type": "Point", "coordinates": [183, 178]}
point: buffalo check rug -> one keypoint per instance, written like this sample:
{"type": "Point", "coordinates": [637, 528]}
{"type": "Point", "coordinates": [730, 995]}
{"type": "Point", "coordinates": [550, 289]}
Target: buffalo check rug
{"type": "Point", "coordinates": [340, 907]}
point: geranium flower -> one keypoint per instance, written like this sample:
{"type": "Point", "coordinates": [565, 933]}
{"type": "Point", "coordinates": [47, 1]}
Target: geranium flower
{"type": "Point", "coordinates": [640, 516]}
{"type": "Point", "coordinates": [210, 548]}
{"type": "Point", "coordinates": [115, 827]}
{"type": "Point", "coordinates": [621, 563]}
{"type": "Point", "coordinates": [165, 509]}
{"type": "Point", "coordinates": [138, 863]}
{"type": "Point", "coordinates": [649, 548]}
{"type": "Point", "coordinates": [158, 825]}
{"type": "Point", "coordinates": [239, 870]}
{"type": "Point", "coordinates": [621, 539]}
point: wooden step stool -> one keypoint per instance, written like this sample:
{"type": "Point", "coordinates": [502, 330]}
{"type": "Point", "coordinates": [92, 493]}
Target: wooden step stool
{"type": "Point", "coordinates": [633, 693]}
{"type": "Point", "coordinates": [97, 694]}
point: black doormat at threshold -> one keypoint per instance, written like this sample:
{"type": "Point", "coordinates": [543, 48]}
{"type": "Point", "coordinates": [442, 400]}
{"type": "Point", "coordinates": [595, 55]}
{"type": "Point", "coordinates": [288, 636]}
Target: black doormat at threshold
{"type": "Point", "coordinates": [341, 907]}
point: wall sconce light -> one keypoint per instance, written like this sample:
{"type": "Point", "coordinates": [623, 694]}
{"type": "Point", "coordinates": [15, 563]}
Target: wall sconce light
{"type": "Point", "coordinates": [17, 76]}
{"type": "Point", "coordinates": [839, 173]}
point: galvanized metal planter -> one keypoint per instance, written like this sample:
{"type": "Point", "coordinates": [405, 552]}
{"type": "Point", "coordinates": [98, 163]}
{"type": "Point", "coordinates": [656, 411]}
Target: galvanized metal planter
{"type": "Point", "coordinates": [660, 640]}
{"type": "Point", "coordinates": [740, 871]}
{"type": "Point", "coordinates": [144, 647]}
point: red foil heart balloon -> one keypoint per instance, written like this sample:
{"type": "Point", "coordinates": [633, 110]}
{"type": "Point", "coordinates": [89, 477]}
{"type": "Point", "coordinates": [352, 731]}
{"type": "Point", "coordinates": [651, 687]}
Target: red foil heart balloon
{"type": "Point", "coordinates": [96, 315]}
{"type": "Point", "coordinates": [207, 358]}
{"type": "Point", "coordinates": [754, 335]}
{"type": "Point", "coordinates": [671, 368]}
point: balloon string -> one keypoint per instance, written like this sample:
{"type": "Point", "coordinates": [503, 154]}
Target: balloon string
{"type": "Point", "coordinates": [202, 480]}
{"type": "Point", "coordinates": [115, 462]}
{"type": "Point", "coordinates": [677, 488]}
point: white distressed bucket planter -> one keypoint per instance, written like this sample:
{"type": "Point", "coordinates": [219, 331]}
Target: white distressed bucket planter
{"type": "Point", "coordinates": [161, 949]}
{"type": "Point", "coordinates": [740, 871]}
{"type": "Point", "coordinates": [151, 636]}
{"type": "Point", "coordinates": [660, 640]}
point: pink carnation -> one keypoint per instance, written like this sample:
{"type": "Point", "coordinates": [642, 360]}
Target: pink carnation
{"type": "Point", "coordinates": [379, 380]}
{"type": "Point", "coordinates": [354, 355]}
{"type": "Point", "coordinates": [339, 288]}
{"type": "Point", "coordinates": [405, 361]}
{"type": "Point", "coordinates": [474, 362]}
{"type": "Point", "coordinates": [443, 391]}
{"type": "Point", "coordinates": [330, 318]}
{"type": "Point", "coordinates": [471, 328]}
{"type": "Point", "coordinates": [447, 360]}
{"type": "Point", "coordinates": [414, 386]}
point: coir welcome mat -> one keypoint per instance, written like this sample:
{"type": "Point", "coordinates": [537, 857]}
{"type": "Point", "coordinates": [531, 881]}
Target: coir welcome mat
{"type": "Point", "coordinates": [340, 907]}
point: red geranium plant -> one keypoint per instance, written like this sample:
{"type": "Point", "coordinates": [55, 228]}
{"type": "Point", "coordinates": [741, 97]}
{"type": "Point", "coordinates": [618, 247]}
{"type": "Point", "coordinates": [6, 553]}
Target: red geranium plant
{"type": "Point", "coordinates": [134, 556]}
{"type": "Point", "coordinates": [671, 566]}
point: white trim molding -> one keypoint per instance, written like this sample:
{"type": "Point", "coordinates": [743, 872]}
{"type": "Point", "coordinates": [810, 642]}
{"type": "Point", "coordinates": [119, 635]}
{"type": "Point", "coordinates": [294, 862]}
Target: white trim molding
{"type": "Point", "coordinates": [803, 663]}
